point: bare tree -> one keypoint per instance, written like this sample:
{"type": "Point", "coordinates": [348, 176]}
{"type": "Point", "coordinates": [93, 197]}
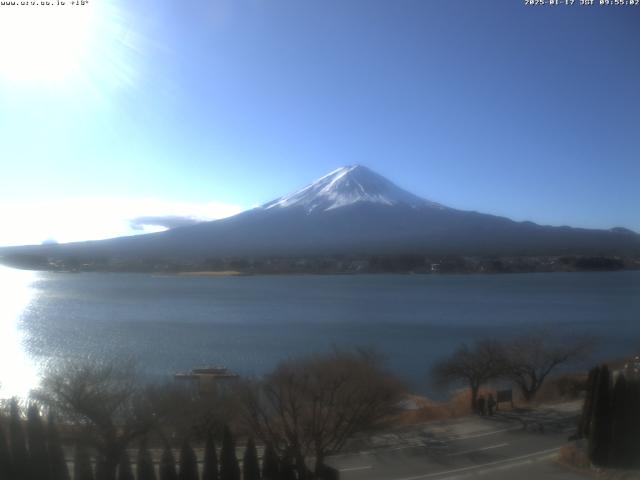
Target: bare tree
{"type": "Point", "coordinates": [313, 406]}
{"type": "Point", "coordinates": [101, 399]}
{"type": "Point", "coordinates": [475, 366]}
{"type": "Point", "coordinates": [186, 413]}
{"type": "Point", "coordinates": [529, 359]}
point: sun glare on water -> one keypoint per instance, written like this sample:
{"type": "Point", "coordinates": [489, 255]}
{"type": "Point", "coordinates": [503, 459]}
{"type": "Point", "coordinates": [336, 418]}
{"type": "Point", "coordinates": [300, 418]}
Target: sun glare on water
{"type": "Point", "coordinates": [18, 373]}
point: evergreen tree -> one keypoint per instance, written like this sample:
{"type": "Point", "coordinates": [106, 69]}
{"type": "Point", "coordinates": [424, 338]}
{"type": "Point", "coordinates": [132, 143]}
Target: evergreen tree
{"type": "Point", "coordinates": [168, 465]}
{"type": "Point", "coordinates": [229, 468]}
{"type": "Point", "coordinates": [587, 407]}
{"type": "Point", "coordinates": [145, 469]}
{"type": "Point", "coordinates": [82, 464]}
{"type": "Point", "coordinates": [634, 422]}
{"type": "Point", "coordinates": [250, 465]}
{"type": "Point", "coordinates": [600, 431]}
{"type": "Point", "coordinates": [287, 468]}
{"type": "Point", "coordinates": [620, 427]}
{"type": "Point", "coordinates": [188, 463]}
{"type": "Point", "coordinates": [36, 438]}
{"type": "Point", "coordinates": [19, 453]}
{"type": "Point", "coordinates": [5, 457]}
{"type": "Point", "coordinates": [57, 462]}
{"type": "Point", "coordinates": [102, 469]}
{"type": "Point", "coordinates": [210, 469]}
{"type": "Point", "coordinates": [125, 471]}
{"type": "Point", "coordinates": [270, 464]}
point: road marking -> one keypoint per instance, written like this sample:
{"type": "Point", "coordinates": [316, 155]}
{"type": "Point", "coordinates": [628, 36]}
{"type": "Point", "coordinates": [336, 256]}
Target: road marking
{"type": "Point", "coordinates": [490, 447]}
{"type": "Point", "coordinates": [484, 434]}
{"type": "Point", "coordinates": [481, 465]}
{"type": "Point", "coordinates": [353, 469]}
{"type": "Point", "coordinates": [407, 447]}
{"type": "Point", "coordinates": [379, 450]}
{"type": "Point", "coordinates": [341, 455]}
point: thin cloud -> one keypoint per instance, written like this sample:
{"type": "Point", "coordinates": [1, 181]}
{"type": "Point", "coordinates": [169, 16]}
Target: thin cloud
{"type": "Point", "coordinates": [96, 218]}
{"type": "Point", "coordinates": [166, 221]}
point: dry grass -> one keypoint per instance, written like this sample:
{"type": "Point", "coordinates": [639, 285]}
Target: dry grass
{"type": "Point", "coordinates": [555, 390]}
{"type": "Point", "coordinates": [458, 405]}
{"type": "Point", "coordinates": [562, 388]}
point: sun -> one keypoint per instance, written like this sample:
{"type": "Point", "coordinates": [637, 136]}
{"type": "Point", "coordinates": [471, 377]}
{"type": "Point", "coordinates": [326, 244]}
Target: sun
{"type": "Point", "coordinates": [44, 43]}
{"type": "Point", "coordinates": [86, 44]}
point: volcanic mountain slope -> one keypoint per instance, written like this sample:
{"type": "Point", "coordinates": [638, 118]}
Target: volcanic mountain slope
{"type": "Point", "coordinates": [353, 210]}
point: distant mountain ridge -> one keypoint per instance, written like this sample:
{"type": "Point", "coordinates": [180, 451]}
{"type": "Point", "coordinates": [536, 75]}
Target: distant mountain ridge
{"type": "Point", "coordinates": [351, 210]}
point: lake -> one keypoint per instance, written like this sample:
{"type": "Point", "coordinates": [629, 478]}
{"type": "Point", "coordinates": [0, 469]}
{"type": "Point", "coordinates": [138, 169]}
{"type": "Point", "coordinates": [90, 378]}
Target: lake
{"type": "Point", "coordinates": [174, 323]}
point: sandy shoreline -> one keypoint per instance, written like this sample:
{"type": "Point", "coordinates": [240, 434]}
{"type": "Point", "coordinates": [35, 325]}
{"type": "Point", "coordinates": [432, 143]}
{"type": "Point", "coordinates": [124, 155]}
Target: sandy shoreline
{"type": "Point", "coordinates": [223, 273]}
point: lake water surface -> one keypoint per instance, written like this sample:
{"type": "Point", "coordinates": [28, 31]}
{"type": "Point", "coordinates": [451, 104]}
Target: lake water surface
{"type": "Point", "coordinates": [172, 323]}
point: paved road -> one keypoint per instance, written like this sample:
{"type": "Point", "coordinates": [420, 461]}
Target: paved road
{"type": "Point", "coordinates": [466, 448]}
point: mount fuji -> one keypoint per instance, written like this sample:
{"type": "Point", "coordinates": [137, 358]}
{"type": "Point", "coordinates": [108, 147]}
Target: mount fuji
{"type": "Point", "coordinates": [351, 211]}
{"type": "Point", "coordinates": [348, 186]}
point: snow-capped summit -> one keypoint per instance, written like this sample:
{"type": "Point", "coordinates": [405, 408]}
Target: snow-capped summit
{"type": "Point", "coordinates": [347, 186]}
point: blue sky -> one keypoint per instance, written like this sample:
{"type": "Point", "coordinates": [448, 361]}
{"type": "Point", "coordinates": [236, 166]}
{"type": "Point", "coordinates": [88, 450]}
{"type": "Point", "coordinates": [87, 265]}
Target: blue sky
{"type": "Point", "coordinates": [121, 109]}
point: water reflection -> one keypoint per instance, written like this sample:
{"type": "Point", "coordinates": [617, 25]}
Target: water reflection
{"type": "Point", "coordinates": [18, 373]}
